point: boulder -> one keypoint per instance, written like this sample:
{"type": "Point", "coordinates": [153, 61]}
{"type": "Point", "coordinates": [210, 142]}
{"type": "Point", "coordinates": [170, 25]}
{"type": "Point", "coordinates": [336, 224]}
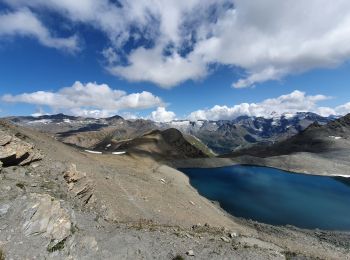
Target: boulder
{"type": "Point", "coordinates": [4, 138]}
{"type": "Point", "coordinates": [45, 216]}
{"type": "Point", "coordinates": [72, 175]}
{"type": "Point", "coordinates": [14, 151]}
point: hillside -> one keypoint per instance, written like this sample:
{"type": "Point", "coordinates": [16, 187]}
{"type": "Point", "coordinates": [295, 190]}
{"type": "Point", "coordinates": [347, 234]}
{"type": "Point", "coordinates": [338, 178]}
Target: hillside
{"type": "Point", "coordinates": [166, 144]}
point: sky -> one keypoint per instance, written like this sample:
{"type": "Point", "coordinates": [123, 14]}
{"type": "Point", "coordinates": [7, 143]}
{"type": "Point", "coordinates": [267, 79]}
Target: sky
{"type": "Point", "coordinates": [174, 59]}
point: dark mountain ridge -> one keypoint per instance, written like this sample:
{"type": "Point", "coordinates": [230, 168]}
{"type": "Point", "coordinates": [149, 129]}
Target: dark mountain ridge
{"type": "Point", "coordinates": [316, 138]}
{"type": "Point", "coordinates": [169, 143]}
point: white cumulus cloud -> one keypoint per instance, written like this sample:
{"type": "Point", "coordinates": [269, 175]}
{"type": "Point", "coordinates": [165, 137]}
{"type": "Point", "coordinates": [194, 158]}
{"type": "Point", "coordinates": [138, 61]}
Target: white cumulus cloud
{"type": "Point", "coordinates": [343, 109]}
{"type": "Point", "coordinates": [296, 101]}
{"type": "Point", "coordinates": [149, 65]}
{"type": "Point", "coordinates": [162, 115]}
{"type": "Point", "coordinates": [91, 99]}
{"type": "Point", "coordinates": [25, 23]}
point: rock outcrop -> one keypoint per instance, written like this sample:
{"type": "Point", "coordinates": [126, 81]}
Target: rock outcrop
{"type": "Point", "coordinates": [14, 151]}
{"type": "Point", "coordinates": [45, 216]}
{"type": "Point", "coordinates": [79, 186]}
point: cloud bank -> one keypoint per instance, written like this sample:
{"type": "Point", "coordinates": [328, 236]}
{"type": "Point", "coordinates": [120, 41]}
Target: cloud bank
{"type": "Point", "coordinates": [171, 41]}
{"type": "Point", "coordinates": [90, 100]}
{"type": "Point", "coordinates": [296, 101]}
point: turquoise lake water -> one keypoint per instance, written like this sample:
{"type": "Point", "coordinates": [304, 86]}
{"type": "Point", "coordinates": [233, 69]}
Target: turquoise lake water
{"type": "Point", "coordinates": [276, 197]}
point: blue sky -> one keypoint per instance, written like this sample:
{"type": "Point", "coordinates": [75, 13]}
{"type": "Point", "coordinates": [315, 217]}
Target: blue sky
{"type": "Point", "coordinates": [174, 59]}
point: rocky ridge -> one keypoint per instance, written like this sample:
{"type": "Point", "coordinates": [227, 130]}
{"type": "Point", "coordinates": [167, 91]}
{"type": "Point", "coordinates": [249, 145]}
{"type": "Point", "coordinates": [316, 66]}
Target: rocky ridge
{"type": "Point", "coordinates": [14, 151]}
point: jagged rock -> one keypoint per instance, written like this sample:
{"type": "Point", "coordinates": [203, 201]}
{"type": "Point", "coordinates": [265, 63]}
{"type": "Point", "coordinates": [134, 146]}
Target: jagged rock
{"type": "Point", "coordinates": [79, 185]}
{"type": "Point", "coordinates": [14, 151]}
{"type": "Point", "coordinates": [4, 138]}
{"type": "Point", "coordinates": [72, 175]}
{"type": "Point", "coordinates": [45, 216]}
{"type": "Point", "coordinates": [35, 156]}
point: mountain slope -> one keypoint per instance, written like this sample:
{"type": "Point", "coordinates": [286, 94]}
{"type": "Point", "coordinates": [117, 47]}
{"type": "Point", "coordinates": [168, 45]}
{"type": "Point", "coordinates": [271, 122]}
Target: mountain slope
{"type": "Point", "coordinates": [334, 136]}
{"type": "Point", "coordinates": [166, 144]}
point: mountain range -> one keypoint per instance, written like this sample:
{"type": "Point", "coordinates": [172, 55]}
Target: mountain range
{"type": "Point", "coordinates": [318, 149]}
{"type": "Point", "coordinates": [216, 137]}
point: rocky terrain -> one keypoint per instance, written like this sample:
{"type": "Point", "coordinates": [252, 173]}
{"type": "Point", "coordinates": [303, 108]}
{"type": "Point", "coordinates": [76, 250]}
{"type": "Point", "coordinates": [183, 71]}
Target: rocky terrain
{"type": "Point", "coordinates": [59, 202]}
{"type": "Point", "coordinates": [223, 136]}
{"type": "Point", "coordinates": [319, 149]}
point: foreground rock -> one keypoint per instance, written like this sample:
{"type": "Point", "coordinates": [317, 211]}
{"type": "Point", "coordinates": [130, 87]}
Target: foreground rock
{"type": "Point", "coordinates": [44, 216]}
{"type": "Point", "coordinates": [14, 151]}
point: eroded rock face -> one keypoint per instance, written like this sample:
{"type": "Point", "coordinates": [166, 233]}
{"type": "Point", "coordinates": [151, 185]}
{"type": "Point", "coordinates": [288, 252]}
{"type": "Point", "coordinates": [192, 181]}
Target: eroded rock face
{"type": "Point", "coordinates": [45, 216]}
{"type": "Point", "coordinates": [14, 151]}
{"type": "Point", "coordinates": [79, 185]}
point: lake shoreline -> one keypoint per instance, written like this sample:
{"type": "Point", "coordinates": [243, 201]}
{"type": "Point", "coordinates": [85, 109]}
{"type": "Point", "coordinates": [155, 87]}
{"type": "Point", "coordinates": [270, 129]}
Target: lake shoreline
{"type": "Point", "coordinates": [301, 163]}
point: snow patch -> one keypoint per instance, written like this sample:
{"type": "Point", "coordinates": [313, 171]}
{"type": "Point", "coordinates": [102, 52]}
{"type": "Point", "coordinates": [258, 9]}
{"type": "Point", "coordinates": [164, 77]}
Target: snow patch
{"type": "Point", "coordinates": [118, 153]}
{"type": "Point", "coordinates": [41, 121]}
{"type": "Point", "coordinates": [94, 152]}
{"type": "Point", "coordinates": [334, 137]}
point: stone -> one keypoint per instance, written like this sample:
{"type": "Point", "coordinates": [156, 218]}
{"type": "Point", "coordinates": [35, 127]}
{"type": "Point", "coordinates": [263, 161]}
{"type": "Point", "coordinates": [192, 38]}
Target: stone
{"type": "Point", "coordinates": [190, 253]}
{"type": "Point", "coordinates": [4, 138]}
{"type": "Point", "coordinates": [45, 216]}
{"type": "Point", "coordinates": [233, 234]}
{"type": "Point", "coordinates": [15, 151]}
{"type": "Point", "coordinates": [33, 157]}
{"type": "Point", "coordinates": [4, 209]}
{"type": "Point", "coordinates": [72, 175]}
{"type": "Point", "coordinates": [225, 239]}
{"type": "Point", "coordinates": [79, 185]}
